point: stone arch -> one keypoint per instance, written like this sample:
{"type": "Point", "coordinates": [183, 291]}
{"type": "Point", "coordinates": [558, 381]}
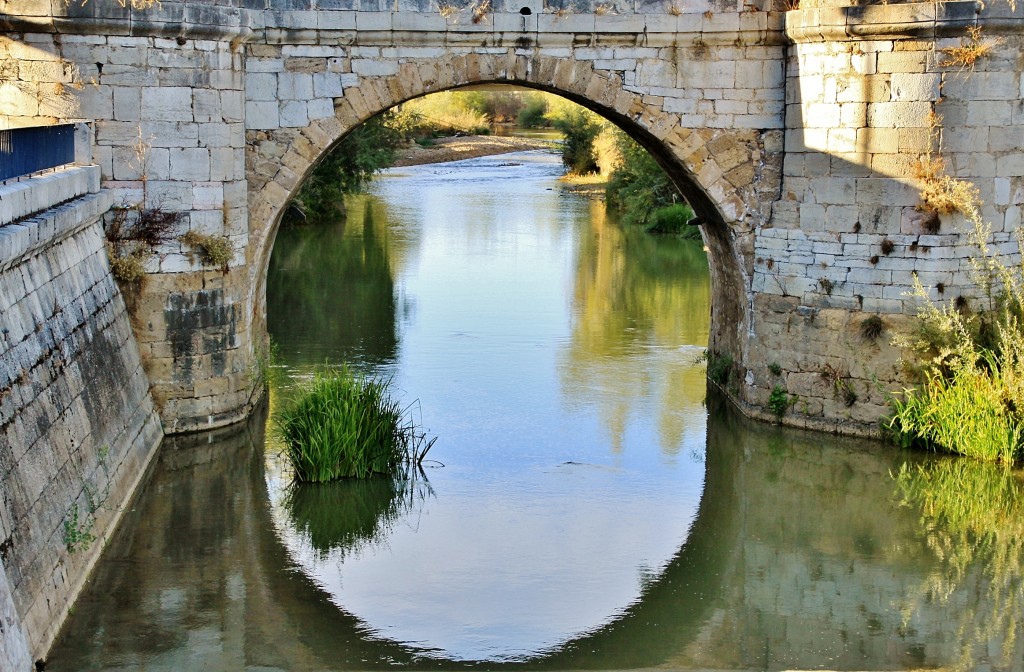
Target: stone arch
{"type": "Point", "coordinates": [730, 176]}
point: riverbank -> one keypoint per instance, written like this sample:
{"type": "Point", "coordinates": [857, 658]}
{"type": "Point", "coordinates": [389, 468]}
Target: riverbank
{"type": "Point", "coordinates": [466, 147]}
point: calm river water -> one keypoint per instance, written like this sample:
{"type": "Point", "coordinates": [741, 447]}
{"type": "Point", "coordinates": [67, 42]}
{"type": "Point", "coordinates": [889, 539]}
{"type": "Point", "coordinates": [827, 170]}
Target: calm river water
{"type": "Point", "coordinates": [594, 510]}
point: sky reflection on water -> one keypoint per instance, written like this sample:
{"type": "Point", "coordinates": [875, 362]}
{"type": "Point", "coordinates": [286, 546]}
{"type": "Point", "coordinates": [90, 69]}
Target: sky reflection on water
{"type": "Point", "coordinates": [550, 389]}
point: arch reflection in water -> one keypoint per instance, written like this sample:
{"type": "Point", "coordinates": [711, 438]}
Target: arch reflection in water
{"type": "Point", "coordinates": [541, 530]}
{"type": "Point", "coordinates": [804, 554]}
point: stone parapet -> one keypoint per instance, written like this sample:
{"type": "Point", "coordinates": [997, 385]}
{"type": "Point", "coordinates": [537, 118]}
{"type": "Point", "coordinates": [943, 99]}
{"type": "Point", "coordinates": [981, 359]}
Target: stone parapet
{"type": "Point", "coordinates": [19, 199]}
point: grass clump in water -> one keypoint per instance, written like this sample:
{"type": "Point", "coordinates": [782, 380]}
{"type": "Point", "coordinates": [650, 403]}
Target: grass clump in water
{"type": "Point", "coordinates": [348, 426]}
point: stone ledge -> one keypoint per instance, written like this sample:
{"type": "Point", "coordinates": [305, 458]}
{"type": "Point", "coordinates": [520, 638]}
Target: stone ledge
{"type": "Point", "coordinates": [36, 194]}
{"type": "Point", "coordinates": [23, 239]}
{"type": "Point", "coordinates": [900, 21]}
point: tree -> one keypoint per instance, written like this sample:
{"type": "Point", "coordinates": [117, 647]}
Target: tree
{"type": "Point", "coordinates": [349, 166]}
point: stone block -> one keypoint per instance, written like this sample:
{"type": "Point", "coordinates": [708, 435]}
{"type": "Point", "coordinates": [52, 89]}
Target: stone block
{"type": "Point", "coordinates": [262, 115]}
{"type": "Point", "coordinates": [206, 105]}
{"type": "Point", "coordinates": [167, 104]}
{"type": "Point", "coordinates": [898, 114]}
{"type": "Point", "coordinates": [988, 113]}
{"type": "Point", "coordinates": [916, 86]}
{"type": "Point", "coordinates": [169, 195]}
{"type": "Point", "coordinates": [320, 108]}
{"type": "Point", "coordinates": [264, 65]}
{"type": "Point", "coordinates": [1010, 164]}
{"type": "Point", "coordinates": [902, 61]}
{"type": "Point", "coordinates": [374, 68]}
{"type": "Point", "coordinates": [973, 86]}
{"type": "Point", "coordinates": [327, 85]}
{"type": "Point", "coordinates": [294, 86]}
{"type": "Point", "coordinates": [260, 86]}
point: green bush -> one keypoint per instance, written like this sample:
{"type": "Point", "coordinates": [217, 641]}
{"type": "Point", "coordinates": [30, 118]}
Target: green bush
{"type": "Point", "coordinates": [347, 168]}
{"type": "Point", "coordinates": [532, 113]}
{"type": "Point", "coordinates": [344, 425]}
{"type": "Point", "coordinates": [638, 188]}
{"type": "Point", "coordinates": [673, 219]}
{"type": "Point", "coordinates": [971, 366]}
{"type": "Point", "coordinates": [580, 127]}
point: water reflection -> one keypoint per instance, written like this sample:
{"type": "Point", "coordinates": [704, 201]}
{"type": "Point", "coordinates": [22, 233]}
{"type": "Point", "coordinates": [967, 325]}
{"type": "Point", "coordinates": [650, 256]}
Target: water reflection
{"type": "Point", "coordinates": [543, 528]}
{"type": "Point", "coordinates": [320, 281]}
{"type": "Point", "coordinates": [972, 520]}
{"type": "Point", "coordinates": [641, 310]}
{"type": "Point", "coordinates": [805, 554]}
{"type": "Point", "coordinates": [344, 517]}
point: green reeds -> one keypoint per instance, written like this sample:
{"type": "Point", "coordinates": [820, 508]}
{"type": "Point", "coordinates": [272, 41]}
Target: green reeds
{"type": "Point", "coordinates": [348, 426]}
{"type": "Point", "coordinates": [970, 397]}
{"type": "Point", "coordinates": [966, 413]}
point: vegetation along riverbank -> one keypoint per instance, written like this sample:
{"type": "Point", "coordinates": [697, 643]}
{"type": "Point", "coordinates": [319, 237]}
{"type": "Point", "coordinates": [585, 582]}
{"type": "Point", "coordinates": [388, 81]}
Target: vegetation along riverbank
{"type": "Point", "coordinates": [451, 126]}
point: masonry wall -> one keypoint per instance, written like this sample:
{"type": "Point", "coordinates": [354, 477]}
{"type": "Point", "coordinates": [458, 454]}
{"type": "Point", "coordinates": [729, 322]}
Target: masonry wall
{"type": "Point", "coordinates": [168, 135]}
{"type": "Point", "coordinates": [848, 236]}
{"type": "Point", "coordinates": [77, 424]}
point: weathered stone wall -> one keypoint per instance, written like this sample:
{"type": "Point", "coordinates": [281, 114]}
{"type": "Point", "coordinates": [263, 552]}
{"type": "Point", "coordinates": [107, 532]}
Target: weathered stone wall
{"type": "Point", "coordinates": [847, 237]}
{"type": "Point", "coordinates": [77, 423]}
{"type": "Point", "coordinates": [168, 134]}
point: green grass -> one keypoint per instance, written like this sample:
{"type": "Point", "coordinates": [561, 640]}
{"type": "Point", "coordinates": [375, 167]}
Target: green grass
{"type": "Point", "coordinates": [673, 219]}
{"type": "Point", "coordinates": [964, 412]}
{"type": "Point", "coordinates": [347, 426]}
{"type": "Point", "coordinates": [970, 364]}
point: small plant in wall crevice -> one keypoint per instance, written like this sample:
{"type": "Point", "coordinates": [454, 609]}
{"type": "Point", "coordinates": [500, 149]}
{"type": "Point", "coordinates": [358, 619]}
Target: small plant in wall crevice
{"type": "Point", "coordinates": [133, 235]}
{"type": "Point", "coordinates": [778, 402]}
{"type": "Point", "coordinates": [872, 327]}
{"type": "Point", "coordinates": [78, 534]}
{"type": "Point", "coordinates": [211, 250]}
{"type": "Point", "coordinates": [972, 48]}
{"type": "Point", "coordinates": [841, 388]}
{"type": "Point", "coordinates": [719, 366]}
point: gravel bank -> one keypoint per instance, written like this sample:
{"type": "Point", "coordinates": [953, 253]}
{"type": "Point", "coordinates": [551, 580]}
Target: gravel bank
{"type": "Point", "coordinates": [467, 147]}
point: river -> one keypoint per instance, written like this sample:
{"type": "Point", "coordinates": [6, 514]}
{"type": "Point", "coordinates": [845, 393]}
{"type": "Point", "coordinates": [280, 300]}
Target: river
{"type": "Point", "coordinates": [588, 505]}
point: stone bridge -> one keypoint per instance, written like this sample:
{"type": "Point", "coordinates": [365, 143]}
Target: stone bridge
{"type": "Point", "coordinates": [794, 134]}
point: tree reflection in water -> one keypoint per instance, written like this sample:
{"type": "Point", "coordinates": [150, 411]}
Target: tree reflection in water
{"type": "Point", "coordinates": [641, 314]}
